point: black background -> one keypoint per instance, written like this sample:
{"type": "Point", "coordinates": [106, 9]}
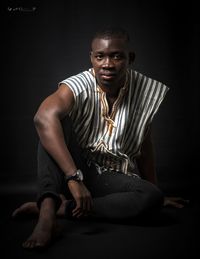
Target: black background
{"type": "Point", "coordinates": [43, 42]}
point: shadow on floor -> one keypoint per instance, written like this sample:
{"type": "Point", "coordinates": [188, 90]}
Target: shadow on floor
{"type": "Point", "coordinates": [171, 235]}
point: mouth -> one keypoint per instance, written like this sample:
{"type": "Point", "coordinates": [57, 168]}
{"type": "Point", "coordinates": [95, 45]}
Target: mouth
{"type": "Point", "coordinates": [107, 76]}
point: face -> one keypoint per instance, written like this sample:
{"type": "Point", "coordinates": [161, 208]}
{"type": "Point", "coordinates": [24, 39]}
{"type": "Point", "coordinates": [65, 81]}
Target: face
{"type": "Point", "coordinates": [110, 59]}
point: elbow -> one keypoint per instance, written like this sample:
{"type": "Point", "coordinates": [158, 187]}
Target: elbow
{"type": "Point", "coordinates": [39, 120]}
{"type": "Point", "coordinates": [44, 119]}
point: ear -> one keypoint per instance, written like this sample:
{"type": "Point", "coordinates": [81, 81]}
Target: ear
{"type": "Point", "coordinates": [90, 55]}
{"type": "Point", "coordinates": [131, 57]}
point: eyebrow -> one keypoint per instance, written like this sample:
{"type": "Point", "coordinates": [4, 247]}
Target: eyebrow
{"type": "Point", "coordinates": [112, 52]}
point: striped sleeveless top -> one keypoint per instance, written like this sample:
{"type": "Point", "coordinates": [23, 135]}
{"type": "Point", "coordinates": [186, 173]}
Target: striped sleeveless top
{"type": "Point", "coordinates": [113, 141]}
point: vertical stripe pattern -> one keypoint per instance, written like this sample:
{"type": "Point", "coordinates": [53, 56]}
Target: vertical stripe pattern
{"type": "Point", "coordinates": [113, 141]}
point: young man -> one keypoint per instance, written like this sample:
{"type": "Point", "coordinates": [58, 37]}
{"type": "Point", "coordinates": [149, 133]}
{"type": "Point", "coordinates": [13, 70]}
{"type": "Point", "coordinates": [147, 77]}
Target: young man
{"type": "Point", "coordinates": [95, 142]}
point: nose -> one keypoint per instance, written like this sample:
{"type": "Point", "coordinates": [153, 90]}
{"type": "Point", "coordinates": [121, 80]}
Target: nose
{"type": "Point", "coordinates": [107, 63]}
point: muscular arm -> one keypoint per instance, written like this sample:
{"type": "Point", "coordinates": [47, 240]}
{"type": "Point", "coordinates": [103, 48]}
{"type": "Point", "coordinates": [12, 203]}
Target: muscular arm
{"type": "Point", "coordinates": [146, 161]}
{"type": "Point", "coordinates": [48, 125]}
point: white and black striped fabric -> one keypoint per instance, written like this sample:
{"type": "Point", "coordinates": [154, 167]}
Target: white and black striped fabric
{"type": "Point", "coordinates": [112, 141]}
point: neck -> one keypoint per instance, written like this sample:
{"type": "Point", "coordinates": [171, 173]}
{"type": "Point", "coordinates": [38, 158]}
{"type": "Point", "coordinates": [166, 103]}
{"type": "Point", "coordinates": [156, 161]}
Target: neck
{"type": "Point", "coordinates": [112, 90]}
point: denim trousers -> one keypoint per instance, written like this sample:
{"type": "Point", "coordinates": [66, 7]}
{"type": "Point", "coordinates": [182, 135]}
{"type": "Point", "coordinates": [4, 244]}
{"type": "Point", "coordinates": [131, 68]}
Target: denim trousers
{"type": "Point", "coordinates": [115, 195]}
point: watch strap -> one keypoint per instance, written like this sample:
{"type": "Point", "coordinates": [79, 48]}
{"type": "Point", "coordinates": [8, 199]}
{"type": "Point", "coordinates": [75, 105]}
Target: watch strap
{"type": "Point", "coordinates": [77, 176]}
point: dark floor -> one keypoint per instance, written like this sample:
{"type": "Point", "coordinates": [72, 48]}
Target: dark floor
{"type": "Point", "coordinates": [174, 234]}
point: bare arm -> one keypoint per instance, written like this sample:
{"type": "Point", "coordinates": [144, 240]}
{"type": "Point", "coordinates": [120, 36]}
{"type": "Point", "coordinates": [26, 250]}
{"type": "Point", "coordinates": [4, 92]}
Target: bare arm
{"type": "Point", "coordinates": [48, 125]}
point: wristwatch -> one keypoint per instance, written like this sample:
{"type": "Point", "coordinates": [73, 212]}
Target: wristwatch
{"type": "Point", "coordinates": [77, 176]}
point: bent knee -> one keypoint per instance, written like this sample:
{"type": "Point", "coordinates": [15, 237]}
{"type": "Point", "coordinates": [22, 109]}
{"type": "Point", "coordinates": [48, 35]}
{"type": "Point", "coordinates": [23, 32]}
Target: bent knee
{"type": "Point", "coordinates": [152, 196]}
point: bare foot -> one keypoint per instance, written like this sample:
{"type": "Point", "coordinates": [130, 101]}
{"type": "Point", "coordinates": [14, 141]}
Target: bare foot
{"type": "Point", "coordinates": [27, 209]}
{"type": "Point", "coordinates": [62, 210]}
{"type": "Point", "coordinates": [42, 235]}
{"type": "Point", "coordinates": [45, 229]}
{"type": "Point", "coordinates": [30, 209]}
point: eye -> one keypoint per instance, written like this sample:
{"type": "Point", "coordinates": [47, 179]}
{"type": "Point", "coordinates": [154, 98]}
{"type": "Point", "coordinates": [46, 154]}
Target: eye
{"type": "Point", "coordinates": [99, 57]}
{"type": "Point", "coordinates": [117, 56]}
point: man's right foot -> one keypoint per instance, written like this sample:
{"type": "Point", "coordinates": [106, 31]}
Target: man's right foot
{"type": "Point", "coordinates": [44, 231]}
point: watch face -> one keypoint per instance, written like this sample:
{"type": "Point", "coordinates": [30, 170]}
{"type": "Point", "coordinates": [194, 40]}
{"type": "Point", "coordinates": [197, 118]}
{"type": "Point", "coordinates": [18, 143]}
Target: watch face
{"type": "Point", "coordinates": [80, 175]}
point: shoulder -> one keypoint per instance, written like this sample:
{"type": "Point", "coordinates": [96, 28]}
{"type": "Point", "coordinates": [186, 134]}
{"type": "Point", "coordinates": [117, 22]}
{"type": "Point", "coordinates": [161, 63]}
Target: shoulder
{"type": "Point", "coordinates": [81, 83]}
{"type": "Point", "coordinates": [146, 83]}
{"type": "Point", "coordinates": [80, 80]}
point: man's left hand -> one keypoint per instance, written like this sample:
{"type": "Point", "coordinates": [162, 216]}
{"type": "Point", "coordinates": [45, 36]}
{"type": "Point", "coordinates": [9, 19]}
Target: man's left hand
{"type": "Point", "coordinates": [175, 202]}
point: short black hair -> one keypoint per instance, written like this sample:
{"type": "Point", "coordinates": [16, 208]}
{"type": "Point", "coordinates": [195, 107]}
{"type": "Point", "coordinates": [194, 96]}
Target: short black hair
{"type": "Point", "coordinates": [112, 32]}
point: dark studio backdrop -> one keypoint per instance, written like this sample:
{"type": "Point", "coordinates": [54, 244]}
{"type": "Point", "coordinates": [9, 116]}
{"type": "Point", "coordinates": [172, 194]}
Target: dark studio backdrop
{"type": "Point", "coordinates": [46, 41]}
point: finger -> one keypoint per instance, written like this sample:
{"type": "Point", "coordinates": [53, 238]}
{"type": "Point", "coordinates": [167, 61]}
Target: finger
{"type": "Point", "coordinates": [85, 207]}
{"type": "Point", "coordinates": [78, 211]}
{"type": "Point", "coordinates": [83, 210]}
{"type": "Point", "coordinates": [78, 214]}
{"type": "Point", "coordinates": [176, 204]}
{"type": "Point", "coordinates": [178, 199]}
{"type": "Point", "coordinates": [78, 205]}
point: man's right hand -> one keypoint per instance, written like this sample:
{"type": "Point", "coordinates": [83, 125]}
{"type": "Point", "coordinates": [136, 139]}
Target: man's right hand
{"type": "Point", "coordinates": [82, 197]}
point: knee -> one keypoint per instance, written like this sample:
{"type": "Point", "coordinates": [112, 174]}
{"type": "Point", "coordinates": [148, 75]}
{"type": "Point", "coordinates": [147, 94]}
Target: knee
{"type": "Point", "coordinates": [153, 196]}
{"type": "Point", "coordinates": [157, 196]}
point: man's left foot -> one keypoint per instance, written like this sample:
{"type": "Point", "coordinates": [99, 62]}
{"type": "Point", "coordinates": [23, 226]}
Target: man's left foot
{"type": "Point", "coordinates": [26, 209]}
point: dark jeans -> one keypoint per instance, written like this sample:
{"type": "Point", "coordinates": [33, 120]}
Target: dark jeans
{"type": "Point", "coordinates": [115, 195]}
